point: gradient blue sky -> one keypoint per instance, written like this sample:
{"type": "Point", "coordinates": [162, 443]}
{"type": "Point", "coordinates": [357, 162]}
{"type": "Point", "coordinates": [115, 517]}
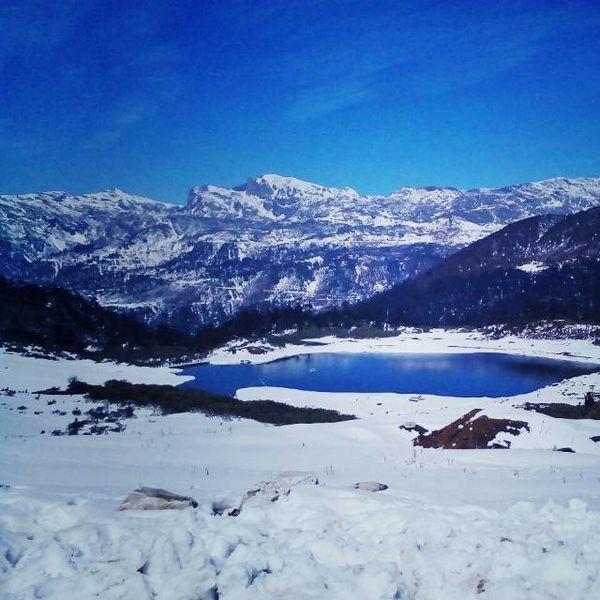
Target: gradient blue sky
{"type": "Point", "coordinates": [155, 97]}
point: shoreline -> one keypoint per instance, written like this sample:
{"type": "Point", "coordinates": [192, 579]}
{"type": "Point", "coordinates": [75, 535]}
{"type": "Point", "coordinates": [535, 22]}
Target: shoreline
{"type": "Point", "coordinates": [438, 341]}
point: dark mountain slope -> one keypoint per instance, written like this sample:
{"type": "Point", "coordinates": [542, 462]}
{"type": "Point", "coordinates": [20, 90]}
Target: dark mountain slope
{"type": "Point", "coordinates": [545, 267]}
{"type": "Point", "coordinates": [58, 320]}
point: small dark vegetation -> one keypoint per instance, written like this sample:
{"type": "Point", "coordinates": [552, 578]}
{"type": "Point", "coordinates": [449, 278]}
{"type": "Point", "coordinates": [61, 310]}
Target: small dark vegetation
{"type": "Point", "coordinates": [590, 409]}
{"type": "Point", "coordinates": [99, 420]}
{"type": "Point", "coordinates": [170, 399]}
{"type": "Point", "coordinates": [74, 427]}
{"type": "Point", "coordinates": [95, 421]}
{"type": "Point", "coordinates": [471, 433]}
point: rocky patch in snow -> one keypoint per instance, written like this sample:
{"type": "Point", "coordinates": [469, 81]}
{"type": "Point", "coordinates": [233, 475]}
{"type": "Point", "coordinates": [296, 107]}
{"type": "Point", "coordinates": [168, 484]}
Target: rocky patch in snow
{"type": "Point", "coordinates": [149, 498]}
{"type": "Point", "coordinates": [469, 432]}
{"type": "Point", "coordinates": [281, 485]}
{"type": "Point", "coordinates": [413, 427]}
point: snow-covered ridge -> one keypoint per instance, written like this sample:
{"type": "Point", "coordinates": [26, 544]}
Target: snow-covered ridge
{"type": "Point", "coordinates": [275, 196]}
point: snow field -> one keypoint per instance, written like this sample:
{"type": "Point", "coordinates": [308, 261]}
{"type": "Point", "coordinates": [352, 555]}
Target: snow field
{"type": "Point", "coordinates": [518, 523]}
{"type": "Point", "coordinates": [314, 543]}
{"type": "Point", "coordinates": [413, 341]}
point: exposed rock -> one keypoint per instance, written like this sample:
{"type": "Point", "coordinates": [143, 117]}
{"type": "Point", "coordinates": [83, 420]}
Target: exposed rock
{"type": "Point", "coordinates": [595, 438]}
{"type": "Point", "coordinates": [226, 507]}
{"type": "Point", "coordinates": [418, 398]}
{"type": "Point", "coordinates": [370, 486]}
{"type": "Point", "coordinates": [148, 498]}
{"type": "Point", "coordinates": [412, 426]}
{"type": "Point", "coordinates": [257, 349]}
{"type": "Point", "coordinates": [270, 490]}
{"type": "Point", "coordinates": [470, 433]}
{"type": "Point", "coordinates": [566, 449]}
{"type": "Point", "coordinates": [281, 485]}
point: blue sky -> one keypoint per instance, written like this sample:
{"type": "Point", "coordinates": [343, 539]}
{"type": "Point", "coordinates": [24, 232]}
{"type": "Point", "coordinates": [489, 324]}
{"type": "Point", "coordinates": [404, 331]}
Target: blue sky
{"type": "Point", "coordinates": [155, 97]}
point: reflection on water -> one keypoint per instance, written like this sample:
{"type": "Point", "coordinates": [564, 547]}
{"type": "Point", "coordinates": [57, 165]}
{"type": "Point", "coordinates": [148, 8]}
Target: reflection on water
{"type": "Point", "coordinates": [478, 374]}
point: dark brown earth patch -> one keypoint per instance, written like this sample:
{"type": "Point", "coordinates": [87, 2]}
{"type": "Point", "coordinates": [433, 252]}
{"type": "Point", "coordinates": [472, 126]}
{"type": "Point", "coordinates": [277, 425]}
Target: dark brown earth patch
{"type": "Point", "coordinates": [468, 433]}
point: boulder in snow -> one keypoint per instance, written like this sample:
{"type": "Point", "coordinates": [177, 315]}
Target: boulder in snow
{"type": "Point", "coordinates": [370, 486]}
{"type": "Point", "coordinates": [148, 498]}
{"type": "Point", "coordinates": [225, 506]}
{"type": "Point", "coordinates": [281, 485]}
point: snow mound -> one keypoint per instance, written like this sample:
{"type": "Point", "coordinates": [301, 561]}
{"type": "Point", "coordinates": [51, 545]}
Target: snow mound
{"type": "Point", "coordinates": [316, 543]}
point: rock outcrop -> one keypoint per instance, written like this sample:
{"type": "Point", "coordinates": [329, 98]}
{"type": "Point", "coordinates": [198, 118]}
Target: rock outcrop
{"type": "Point", "coordinates": [148, 498]}
{"type": "Point", "coordinates": [469, 432]}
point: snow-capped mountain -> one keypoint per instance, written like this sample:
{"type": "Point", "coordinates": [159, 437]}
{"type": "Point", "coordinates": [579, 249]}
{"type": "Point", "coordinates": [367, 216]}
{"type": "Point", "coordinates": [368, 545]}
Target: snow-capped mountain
{"type": "Point", "coordinates": [273, 240]}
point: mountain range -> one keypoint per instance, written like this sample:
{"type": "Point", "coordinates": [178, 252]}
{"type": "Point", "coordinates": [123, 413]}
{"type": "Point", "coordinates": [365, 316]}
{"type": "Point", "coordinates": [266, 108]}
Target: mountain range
{"type": "Point", "coordinates": [540, 268]}
{"type": "Point", "coordinates": [274, 241]}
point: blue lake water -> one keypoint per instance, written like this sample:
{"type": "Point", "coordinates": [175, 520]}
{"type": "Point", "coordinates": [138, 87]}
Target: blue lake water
{"type": "Point", "coordinates": [476, 374]}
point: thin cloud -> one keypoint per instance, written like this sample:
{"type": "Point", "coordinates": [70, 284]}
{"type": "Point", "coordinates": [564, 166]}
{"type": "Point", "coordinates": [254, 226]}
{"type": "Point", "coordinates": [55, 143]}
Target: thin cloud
{"type": "Point", "coordinates": [414, 51]}
{"type": "Point", "coordinates": [119, 121]}
{"type": "Point", "coordinates": [318, 102]}
{"type": "Point", "coordinates": [36, 25]}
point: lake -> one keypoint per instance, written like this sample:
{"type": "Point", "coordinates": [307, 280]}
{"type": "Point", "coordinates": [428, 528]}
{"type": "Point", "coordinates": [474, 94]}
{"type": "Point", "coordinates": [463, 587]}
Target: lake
{"type": "Point", "coordinates": [475, 374]}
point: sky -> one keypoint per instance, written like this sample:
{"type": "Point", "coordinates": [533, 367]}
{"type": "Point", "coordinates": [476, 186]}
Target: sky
{"type": "Point", "coordinates": [155, 97]}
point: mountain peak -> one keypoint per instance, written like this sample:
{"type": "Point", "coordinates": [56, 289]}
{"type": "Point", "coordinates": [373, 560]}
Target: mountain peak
{"type": "Point", "coordinates": [271, 186]}
{"type": "Point", "coordinates": [279, 181]}
{"type": "Point", "coordinates": [272, 197]}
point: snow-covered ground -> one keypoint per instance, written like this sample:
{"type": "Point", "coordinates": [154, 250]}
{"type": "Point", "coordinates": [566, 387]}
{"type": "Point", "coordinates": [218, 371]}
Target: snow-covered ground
{"type": "Point", "coordinates": [416, 341]}
{"type": "Point", "coordinates": [518, 523]}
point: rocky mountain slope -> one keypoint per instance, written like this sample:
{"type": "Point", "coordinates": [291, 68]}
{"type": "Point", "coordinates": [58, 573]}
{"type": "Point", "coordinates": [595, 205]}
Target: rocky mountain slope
{"type": "Point", "coordinates": [544, 267]}
{"type": "Point", "coordinates": [272, 241]}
